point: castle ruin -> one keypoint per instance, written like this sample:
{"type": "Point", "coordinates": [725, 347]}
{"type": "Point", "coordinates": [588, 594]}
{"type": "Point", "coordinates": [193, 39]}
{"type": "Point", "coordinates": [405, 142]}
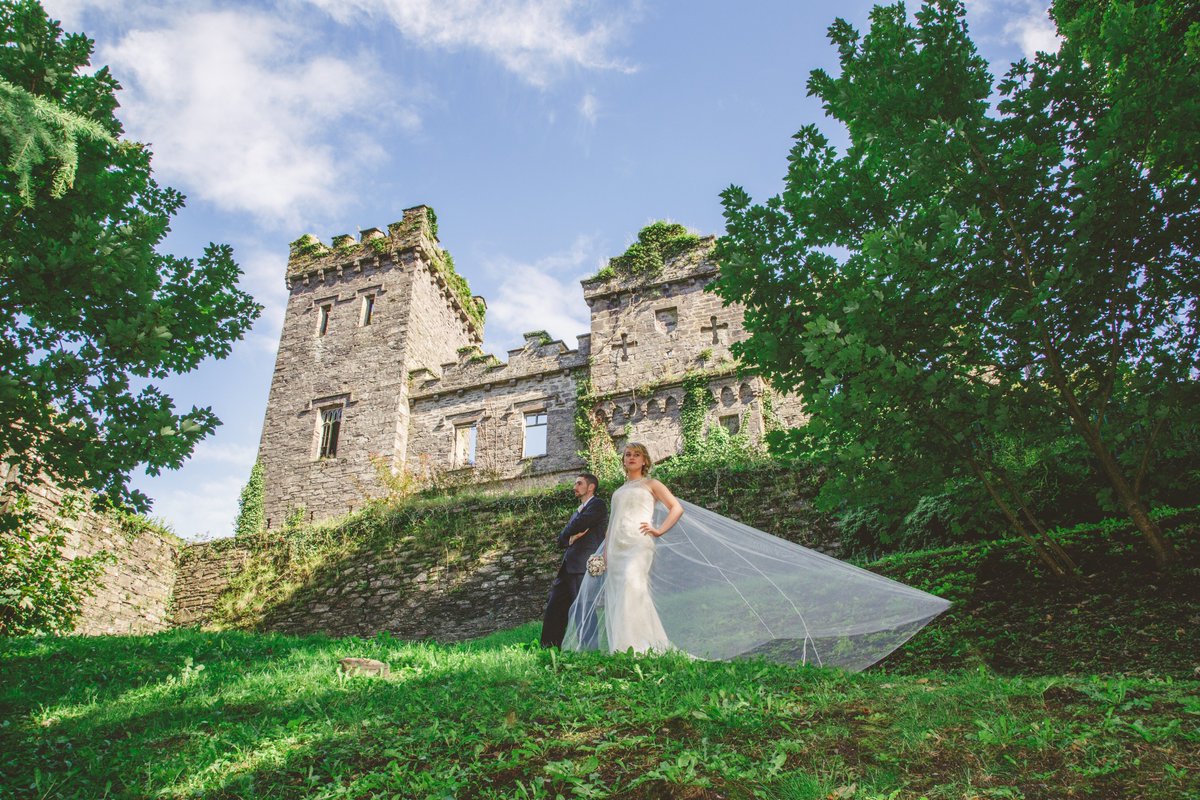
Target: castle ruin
{"type": "Point", "coordinates": [380, 366]}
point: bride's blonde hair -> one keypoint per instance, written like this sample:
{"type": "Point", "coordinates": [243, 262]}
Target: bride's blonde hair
{"type": "Point", "coordinates": [638, 447]}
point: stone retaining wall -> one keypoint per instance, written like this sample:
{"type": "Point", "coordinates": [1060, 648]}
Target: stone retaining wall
{"type": "Point", "coordinates": [134, 593]}
{"type": "Point", "coordinates": [205, 569]}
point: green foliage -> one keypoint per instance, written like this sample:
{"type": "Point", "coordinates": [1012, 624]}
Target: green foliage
{"type": "Point", "coordinates": [1033, 252]}
{"type": "Point", "coordinates": [433, 222]}
{"type": "Point", "coordinates": [91, 308]}
{"type": "Point", "coordinates": [37, 132]}
{"type": "Point", "coordinates": [475, 309]}
{"type": "Point", "coordinates": [251, 518]}
{"type": "Point", "coordinates": [693, 411]}
{"type": "Point", "coordinates": [656, 244]}
{"type": "Point", "coordinates": [380, 245]}
{"type": "Point", "coordinates": [41, 592]}
{"type": "Point", "coordinates": [345, 245]}
{"type": "Point", "coordinates": [307, 246]}
{"type": "Point", "coordinates": [599, 452]}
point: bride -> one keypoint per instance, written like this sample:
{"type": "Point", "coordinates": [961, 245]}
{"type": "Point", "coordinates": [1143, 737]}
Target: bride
{"type": "Point", "coordinates": [717, 589]}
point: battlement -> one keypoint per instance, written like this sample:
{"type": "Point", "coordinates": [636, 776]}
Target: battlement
{"type": "Point", "coordinates": [417, 230]}
{"type": "Point", "coordinates": [414, 237]}
{"type": "Point", "coordinates": [540, 356]}
{"type": "Point", "coordinates": [694, 264]}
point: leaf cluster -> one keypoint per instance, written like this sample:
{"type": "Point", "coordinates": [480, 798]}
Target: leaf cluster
{"type": "Point", "coordinates": [656, 244]}
{"type": "Point", "coordinates": [94, 314]}
{"type": "Point", "coordinates": [983, 265]}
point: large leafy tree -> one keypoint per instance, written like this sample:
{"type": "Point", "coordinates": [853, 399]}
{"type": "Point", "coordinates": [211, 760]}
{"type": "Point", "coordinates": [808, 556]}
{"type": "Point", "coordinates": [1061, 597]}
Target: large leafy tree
{"type": "Point", "coordinates": [985, 263]}
{"type": "Point", "coordinates": [93, 312]}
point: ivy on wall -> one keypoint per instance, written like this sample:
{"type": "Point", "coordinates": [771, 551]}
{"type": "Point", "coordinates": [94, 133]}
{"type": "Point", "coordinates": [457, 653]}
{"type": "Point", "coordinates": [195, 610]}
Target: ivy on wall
{"type": "Point", "coordinates": [599, 452]}
{"type": "Point", "coordinates": [251, 517]}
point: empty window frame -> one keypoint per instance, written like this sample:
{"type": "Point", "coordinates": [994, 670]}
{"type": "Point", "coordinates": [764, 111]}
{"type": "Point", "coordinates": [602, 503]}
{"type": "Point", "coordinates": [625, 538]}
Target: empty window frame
{"type": "Point", "coordinates": [535, 434]}
{"type": "Point", "coordinates": [464, 445]}
{"type": "Point", "coordinates": [331, 426]}
{"type": "Point", "coordinates": [323, 319]}
{"type": "Point", "coordinates": [731, 423]}
{"type": "Point", "coordinates": [368, 308]}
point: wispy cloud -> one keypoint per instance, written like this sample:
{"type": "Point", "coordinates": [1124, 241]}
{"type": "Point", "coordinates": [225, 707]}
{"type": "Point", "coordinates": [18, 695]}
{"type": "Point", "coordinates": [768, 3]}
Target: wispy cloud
{"type": "Point", "coordinates": [1034, 32]}
{"type": "Point", "coordinates": [538, 40]}
{"type": "Point", "coordinates": [543, 295]}
{"type": "Point", "coordinates": [263, 271]}
{"type": "Point", "coordinates": [239, 110]}
{"type": "Point", "coordinates": [230, 453]}
{"type": "Point", "coordinates": [589, 108]}
{"type": "Point", "coordinates": [203, 511]}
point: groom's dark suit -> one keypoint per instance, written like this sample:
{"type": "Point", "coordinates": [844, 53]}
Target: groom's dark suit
{"type": "Point", "coordinates": [593, 518]}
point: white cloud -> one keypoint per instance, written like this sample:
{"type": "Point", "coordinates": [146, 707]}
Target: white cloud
{"type": "Point", "coordinates": [1034, 32]}
{"type": "Point", "coordinates": [206, 510]}
{"type": "Point", "coordinates": [239, 111]}
{"type": "Point", "coordinates": [544, 295]}
{"type": "Point", "coordinates": [239, 455]}
{"type": "Point", "coordinates": [589, 108]}
{"type": "Point", "coordinates": [1024, 23]}
{"type": "Point", "coordinates": [263, 277]}
{"type": "Point", "coordinates": [534, 39]}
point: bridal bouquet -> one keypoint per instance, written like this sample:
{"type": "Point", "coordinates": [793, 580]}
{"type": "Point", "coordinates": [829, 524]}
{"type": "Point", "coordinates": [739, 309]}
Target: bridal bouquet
{"type": "Point", "coordinates": [596, 565]}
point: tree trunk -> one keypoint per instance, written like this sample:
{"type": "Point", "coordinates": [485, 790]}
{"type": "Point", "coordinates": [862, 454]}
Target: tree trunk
{"type": "Point", "coordinates": [1046, 557]}
{"type": "Point", "coordinates": [1048, 542]}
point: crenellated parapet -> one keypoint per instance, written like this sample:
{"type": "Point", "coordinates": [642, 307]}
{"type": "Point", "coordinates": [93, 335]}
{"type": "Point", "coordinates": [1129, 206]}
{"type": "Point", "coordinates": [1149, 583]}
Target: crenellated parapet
{"type": "Point", "coordinates": [540, 357]}
{"type": "Point", "coordinates": [693, 265]}
{"type": "Point", "coordinates": [412, 240]}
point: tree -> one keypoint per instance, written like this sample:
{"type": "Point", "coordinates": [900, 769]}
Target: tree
{"type": "Point", "coordinates": [968, 274]}
{"type": "Point", "coordinates": [93, 312]}
{"type": "Point", "coordinates": [251, 517]}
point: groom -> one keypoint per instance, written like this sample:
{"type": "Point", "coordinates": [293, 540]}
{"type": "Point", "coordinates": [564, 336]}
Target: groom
{"type": "Point", "coordinates": [580, 538]}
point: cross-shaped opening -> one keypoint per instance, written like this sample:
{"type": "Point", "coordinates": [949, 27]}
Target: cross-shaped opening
{"type": "Point", "coordinates": [715, 328]}
{"type": "Point", "coordinates": [624, 346]}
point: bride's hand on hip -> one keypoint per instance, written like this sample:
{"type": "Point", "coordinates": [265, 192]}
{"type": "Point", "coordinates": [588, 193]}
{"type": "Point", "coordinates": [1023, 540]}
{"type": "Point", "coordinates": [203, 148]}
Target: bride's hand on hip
{"type": "Point", "coordinates": [650, 530]}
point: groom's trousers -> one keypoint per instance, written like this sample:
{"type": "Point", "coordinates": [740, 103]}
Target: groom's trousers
{"type": "Point", "coordinates": [562, 594]}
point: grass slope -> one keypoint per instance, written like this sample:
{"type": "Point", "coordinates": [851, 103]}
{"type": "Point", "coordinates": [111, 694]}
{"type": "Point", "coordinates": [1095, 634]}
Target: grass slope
{"type": "Point", "coordinates": [241, 715]}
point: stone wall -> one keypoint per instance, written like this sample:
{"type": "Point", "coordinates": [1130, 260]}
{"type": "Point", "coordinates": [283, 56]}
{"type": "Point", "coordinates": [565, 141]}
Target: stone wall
{"type": "Point", "coordinates": [453, 572]}
{"type": "Point", "coordinates": [647, 330]}
{"type": "Point", "coordinates": [494, 397]}
{"type": "Point", "coordinates": [205, 569]}
{"type": "Point", "coordinates": [417, 395]}
{"type": "Point", "coordinates": [134, 593]}
{"type": "Point", "coordinates": [415, 596]}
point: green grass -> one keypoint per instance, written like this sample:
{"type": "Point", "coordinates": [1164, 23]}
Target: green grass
{"type": "Point", "coordinates": [241, 715]}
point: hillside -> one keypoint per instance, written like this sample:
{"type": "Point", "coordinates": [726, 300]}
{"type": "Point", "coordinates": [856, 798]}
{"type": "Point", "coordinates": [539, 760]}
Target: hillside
{"type": "Point", "coordinates": [1025, 689]}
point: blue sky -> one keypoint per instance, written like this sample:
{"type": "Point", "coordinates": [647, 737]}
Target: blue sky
{"type": "Point", "coordinates": [545, 134]}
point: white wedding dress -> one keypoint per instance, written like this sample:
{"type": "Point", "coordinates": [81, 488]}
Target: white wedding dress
{"type": "Point", "coordinates": [631, 620]}
{"type": "Point", "coordinates": [716, 589]}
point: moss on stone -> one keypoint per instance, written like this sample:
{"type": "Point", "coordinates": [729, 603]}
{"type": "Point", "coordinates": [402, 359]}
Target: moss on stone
{"type": "Point", "coordinates": [656, 244]}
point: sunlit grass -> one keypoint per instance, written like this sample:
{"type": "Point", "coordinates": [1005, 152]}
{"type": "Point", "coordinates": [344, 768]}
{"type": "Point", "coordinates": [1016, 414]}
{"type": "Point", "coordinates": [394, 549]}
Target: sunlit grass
{"type": "Point", "coordinates": [188, 714]}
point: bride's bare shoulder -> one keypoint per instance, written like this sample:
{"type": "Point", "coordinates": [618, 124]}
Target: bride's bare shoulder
{"type": "Point", "coordinates": [657, 487]}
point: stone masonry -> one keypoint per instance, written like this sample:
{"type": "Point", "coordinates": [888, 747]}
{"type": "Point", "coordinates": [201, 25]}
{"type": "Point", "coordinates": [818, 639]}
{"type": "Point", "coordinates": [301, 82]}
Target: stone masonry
{"type": "Point", "coordinates": [134, 594]}
{"type": "Point", "coordinates": [381, 336]}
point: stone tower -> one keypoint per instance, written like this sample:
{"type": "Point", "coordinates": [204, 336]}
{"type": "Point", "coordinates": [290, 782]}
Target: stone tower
{"type": "Point", "coordinates": [361, 315]}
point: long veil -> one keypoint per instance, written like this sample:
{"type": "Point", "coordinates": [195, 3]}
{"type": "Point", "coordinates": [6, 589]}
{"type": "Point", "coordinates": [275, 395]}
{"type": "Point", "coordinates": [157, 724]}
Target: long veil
{"type": "Point", "coordinates": [725, 590]}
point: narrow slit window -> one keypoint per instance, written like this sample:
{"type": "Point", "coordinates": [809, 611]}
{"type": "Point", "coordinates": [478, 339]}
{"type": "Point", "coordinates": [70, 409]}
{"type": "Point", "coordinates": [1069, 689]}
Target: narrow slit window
{"type": "Point", "coordinates": [464, 446]}
{"type": "Point", "coordinates": [331, 426]}
{"type": "Point", "coordinates": [535, 434]}
{"type": "Point", "coordinates": [368, 308]}
{"type": "Point", "coordinates": [323, 320]}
